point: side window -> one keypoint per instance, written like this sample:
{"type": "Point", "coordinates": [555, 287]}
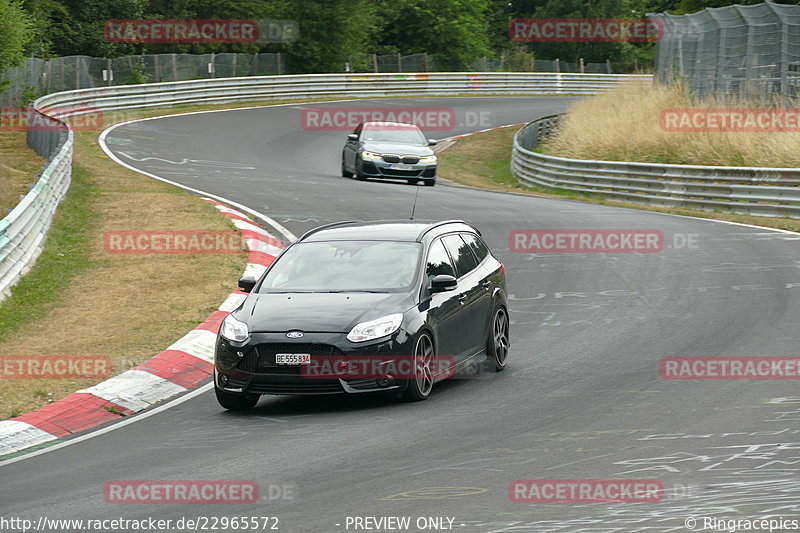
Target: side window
{"type": "Point", "coordinates": [438, 261]}
{"type": "Point", "coordinates": [459, 250]}
{"type": "Point", "coordinates": [476, 245]}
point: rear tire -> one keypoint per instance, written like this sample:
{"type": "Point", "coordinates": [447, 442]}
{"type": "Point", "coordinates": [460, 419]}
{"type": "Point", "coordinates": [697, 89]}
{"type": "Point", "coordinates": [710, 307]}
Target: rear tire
{"type": "Point", "coordinates": [345, 173]}
{"type": "Point", "coordinates": [497, 344]}
{"type": "Point", "coordinates": [236, 402]}
{"type": "Point", "coordinates": [421, 384]}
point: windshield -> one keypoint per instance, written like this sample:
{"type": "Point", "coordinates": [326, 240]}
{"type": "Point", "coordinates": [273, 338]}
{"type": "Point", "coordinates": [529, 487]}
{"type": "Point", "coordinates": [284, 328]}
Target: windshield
{"type": "Point", "coordinates": [395, 136]}
{"type": "Point", "coordinates": [344, 266]}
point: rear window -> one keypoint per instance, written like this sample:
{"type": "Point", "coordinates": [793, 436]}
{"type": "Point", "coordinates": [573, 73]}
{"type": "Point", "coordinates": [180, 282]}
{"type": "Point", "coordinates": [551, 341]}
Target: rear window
{"type": "Point", "coordinates": [476, 245]}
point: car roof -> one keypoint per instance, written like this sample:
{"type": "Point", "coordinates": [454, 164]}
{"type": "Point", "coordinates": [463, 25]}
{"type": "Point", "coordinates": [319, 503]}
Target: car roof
{"type": "Point", "coordinates": [384, 230]}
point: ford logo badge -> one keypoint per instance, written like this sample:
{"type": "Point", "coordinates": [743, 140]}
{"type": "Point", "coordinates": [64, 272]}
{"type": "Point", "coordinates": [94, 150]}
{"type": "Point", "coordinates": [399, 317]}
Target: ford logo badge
{"type": "Point", "coordinates": [294, 334]}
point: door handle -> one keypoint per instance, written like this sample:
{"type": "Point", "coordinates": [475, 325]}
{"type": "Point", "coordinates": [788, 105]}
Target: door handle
{"type": "Point", "coordinates": [487, 284]}
{"type": "Point", "coordinates": [462, 298]}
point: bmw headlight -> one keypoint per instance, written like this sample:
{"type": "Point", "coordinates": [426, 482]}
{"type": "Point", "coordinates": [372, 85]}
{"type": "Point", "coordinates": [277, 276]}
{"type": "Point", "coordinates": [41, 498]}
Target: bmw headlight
{"type": "Point", "coordinates": [234, 330]}
{"type": "Point", "coordinates": [427, 159]}
{"type": "Point", "coordinates": [370, 155]}
{"type": "Point", "coordinates": [375, 329]}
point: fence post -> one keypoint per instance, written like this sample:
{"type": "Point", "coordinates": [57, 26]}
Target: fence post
{"type": "Point", "coordinates": [375, 63]}
{"type": "Point", "coordinates": [425, 61]}
{"type": "Point", "coordinates": [279, 63]}
{"type": "Point", "coordinates": [174, 67]}
{"type": "Point", "coordinates": [255, 64]}
{"type": "Point", "coordinates": [608, 65]}
{"type": "Point", "coordinates": [211, 66]}
{"type": "Point", "coordinates": [233, 74]}
{"type": "Point", "coordinates": [558, 66]}
{"type": "Point", "coordinates": [399, 62]}
{"type": "Point", "coordinates": [580, 62]}
{"type": "Point", "coordinates": [156, 69]}
{"type": "Point", "coordinates": [77, 72]}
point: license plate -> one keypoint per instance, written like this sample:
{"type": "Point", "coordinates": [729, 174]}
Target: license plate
{"type": "Point", "coordinates": [402, 166]}
{"type": "Point", "coordinates": [292, 358]}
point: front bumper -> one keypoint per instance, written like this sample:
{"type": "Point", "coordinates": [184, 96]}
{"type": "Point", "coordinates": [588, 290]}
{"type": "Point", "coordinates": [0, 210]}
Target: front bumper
{"type": "Point", "coordinates": [381, 169]}
{"type": "Point", "coordinates": [252, 368]}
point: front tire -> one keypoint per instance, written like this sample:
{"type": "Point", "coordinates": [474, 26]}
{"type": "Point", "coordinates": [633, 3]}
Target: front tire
{"type": "Point", "coordinates": [430, 182]}
{"type": "Point", "coordinates": [359, 174]}
{"type": "Point", "coordinates": [345, 173]}
{"type": "Point", "coordinates": [236, 402]}
{"type": "Point", "coordinates": [497, 345]}
{"type": "Point", "coordinates": [421, 384]}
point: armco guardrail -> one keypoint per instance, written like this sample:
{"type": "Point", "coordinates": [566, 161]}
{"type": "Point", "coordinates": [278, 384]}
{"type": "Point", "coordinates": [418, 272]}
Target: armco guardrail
{"type": "Point", "coordinates": [22, 231]}
{"type": "Point", "coordinates": [743, 190]}
{"type": "Point", "coordinates": [332, 85]}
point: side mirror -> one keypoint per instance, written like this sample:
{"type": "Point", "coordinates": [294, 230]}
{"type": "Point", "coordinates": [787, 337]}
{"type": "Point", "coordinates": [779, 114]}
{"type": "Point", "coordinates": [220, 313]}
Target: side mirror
{"type": "Point", "coordinates": [443, 283]}
{"type": "Point", "coordinates": [431, 142]}
{"type": "Point", "coordinates": [352, 137]}
{"type": "Point", "coordinates": [247, 284]}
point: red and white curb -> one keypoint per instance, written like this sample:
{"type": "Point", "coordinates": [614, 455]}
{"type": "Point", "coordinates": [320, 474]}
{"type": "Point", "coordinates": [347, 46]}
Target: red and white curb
{"type": "Point", "coordinates": [177, 369]}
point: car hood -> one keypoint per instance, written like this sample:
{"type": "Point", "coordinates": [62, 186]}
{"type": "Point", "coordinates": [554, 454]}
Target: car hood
{"type": "Point", "coordinates": [396, 148]}
{"type": "Point", "coordinates": [318, 312]}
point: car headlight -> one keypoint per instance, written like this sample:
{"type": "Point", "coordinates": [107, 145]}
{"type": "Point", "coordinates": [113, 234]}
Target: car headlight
{"type": "Point", "coordinates": [370, 155]}
{"type": "Point", "coordinates": [234, 330]}
{"type": "Point", "coordinates": [375, 329]}
{"type": "Point", "coordinates": [428, 159]}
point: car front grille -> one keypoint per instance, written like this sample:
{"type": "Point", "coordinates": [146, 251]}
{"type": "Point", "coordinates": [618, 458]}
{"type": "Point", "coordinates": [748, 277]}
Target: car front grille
{"type": "Point", "coordinates": [393, 172]}
{"type": "Point", "coordinates": [317, 387]}
{"type": "Point", "coordinates": [391, 158]}
{"type": "Point", "coordinates": [410, 159]}
{"type": "Point", "coordinates": [261, 359]}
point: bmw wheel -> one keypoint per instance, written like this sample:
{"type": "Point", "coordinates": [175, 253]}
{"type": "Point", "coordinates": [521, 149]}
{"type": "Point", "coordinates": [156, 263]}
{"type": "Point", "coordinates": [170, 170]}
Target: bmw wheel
{"type": "Point", "coordinates": [359, 174]}
{"type": "Point", "coordinates": [345, 173]}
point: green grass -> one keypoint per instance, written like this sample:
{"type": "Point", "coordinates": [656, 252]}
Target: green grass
{"type": "Point", "coordinates": [65, 256]}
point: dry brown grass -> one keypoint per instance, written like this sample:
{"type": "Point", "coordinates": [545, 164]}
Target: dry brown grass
{"type": "Point", "coordinates": [623, 125]}
{"type": "Point", "coordinates": [18, 166]}
{"type": "Point", "coordinates": [127, 307]}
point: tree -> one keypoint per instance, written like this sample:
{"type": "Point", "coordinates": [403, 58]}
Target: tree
{"type": "Point", "coordinates": [331, 34]}
{"type": "Point", "coordinates": [455, 30]}
{"type": "Point", "coordinates": [16, 32]}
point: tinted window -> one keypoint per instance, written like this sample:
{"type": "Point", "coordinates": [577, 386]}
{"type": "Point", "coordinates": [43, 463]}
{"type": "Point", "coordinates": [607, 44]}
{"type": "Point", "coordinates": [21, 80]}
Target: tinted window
{"type": "Point", "coordinates": [394, 134]}
{"type": "Point", "coordinates": [476, 245]}
{"type": "Point", "coordinates": [344, 266]}
{"type": "Point", "coordinates": [459, 250]}
{"type": "Point", "coordinates": [438, 261]}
